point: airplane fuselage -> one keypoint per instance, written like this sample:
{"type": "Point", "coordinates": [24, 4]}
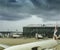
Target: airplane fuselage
{"type": "Point", "coordinates": [30, 46]}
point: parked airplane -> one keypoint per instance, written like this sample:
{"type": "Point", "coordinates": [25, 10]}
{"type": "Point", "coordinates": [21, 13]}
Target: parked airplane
{"type": "Point", "coordinates": [40, 45]}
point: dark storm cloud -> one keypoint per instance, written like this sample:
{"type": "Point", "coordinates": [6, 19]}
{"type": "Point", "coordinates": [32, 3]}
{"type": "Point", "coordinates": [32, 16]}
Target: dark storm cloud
{"type": "Point", "coordinates": [21, 9]}
{"type": "Point", "coordinates": [14, 10]}
{"type": "Point", "coordinates": [47, 9]}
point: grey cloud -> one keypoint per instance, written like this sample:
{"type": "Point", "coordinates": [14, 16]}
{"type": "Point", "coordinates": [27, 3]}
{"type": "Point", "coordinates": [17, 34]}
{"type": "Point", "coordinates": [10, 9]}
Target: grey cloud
{"type": "Point", "coordinates": [14, 10]}
{"type": "Point", "coordinates": [47, 9]}
{"type": "Point", "coordinates": [21, 9]}
{"type": "Point", "coordinates": [47, 4]}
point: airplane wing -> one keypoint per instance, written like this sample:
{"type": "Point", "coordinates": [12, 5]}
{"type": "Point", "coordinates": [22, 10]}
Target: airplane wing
{"type": "Point", "coordinates": [4, 46]}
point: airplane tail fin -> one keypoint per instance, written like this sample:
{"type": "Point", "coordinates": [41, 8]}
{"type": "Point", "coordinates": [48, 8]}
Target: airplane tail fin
{"type": "Point", "coordinates": [55, 31]}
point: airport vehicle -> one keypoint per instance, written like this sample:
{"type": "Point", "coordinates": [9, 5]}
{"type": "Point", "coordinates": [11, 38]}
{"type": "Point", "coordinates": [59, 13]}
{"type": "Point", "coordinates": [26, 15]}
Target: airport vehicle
{"type": "Point", "coordinates": [40, 36]}
{"type": "Point", "coordinates": [16, 36]}
{"type": "Point", "coordinates": [40, 45]}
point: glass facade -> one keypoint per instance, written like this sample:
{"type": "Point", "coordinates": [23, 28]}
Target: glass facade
{"type": "Point", "coordinates": [44, 31]}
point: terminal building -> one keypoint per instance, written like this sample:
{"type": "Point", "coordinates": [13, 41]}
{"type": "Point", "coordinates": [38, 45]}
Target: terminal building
{"type": "Point", "coordinates": [46, 30]}
{"type": "Point", "coordinates": [10, 34]}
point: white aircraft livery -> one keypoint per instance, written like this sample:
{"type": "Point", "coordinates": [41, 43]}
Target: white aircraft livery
{"type": "Point", "coordinates": [37, 45]}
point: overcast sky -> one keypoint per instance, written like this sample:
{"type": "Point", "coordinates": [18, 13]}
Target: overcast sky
{"type": "Point", "coordinates": [14, 14]}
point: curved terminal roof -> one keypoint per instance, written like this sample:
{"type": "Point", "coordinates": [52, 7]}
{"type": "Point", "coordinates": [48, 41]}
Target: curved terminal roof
{"type": "Point", "coordinates": [42, 25]}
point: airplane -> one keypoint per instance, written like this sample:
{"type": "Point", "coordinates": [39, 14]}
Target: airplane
{"type": "Point", "coordinates": [39, 45]}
